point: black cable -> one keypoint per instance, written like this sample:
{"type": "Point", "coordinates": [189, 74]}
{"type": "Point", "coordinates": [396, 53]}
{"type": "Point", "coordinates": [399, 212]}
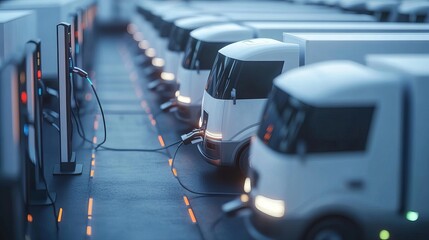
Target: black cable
{"type": "Point", "coordinates": [102, 113]}
{"type": "Point", "coordinates": [54, 207]}
{"type": "Point", "coordinates": [42, 174]}
{"type": "Point", "coordinates": [139, 149]}
{"type": "Point", "coordinates": [78, 131]}
{"type": "Point", "coordinates": [198, 192]}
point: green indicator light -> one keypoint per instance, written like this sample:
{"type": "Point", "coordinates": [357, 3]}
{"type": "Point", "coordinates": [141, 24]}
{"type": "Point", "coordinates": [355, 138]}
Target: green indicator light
{"type": "Point", "coordinates": [384, 234]}
{"type": "Point", "coordinates": [412, 216]}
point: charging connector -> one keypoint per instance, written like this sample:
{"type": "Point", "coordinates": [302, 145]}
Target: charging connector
{"type": "Point", "coordinates": [80, 72]}
{"type": "Point", "coordinates": [193, 137]}
{"type": "Point", "coordinates": [233, 207]}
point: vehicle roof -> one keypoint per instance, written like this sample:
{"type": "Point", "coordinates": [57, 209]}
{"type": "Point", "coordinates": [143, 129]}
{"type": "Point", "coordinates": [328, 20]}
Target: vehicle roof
{"type": "Point", "coordinates": [222, 33]}
{"type": "Point", "coordinates": [340, 83]}
{"type": "Point", "coordinates": [258, 49]}
{"type": "Point", "coordinates": [358, 36]}
{"type": "Point", "coordinates": [199, 21]}
{"type": "Point", "coordinates": [337, 25]}
{"type": "Point", "coordinates": [10, 15]}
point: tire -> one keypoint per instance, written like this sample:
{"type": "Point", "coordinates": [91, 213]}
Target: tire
{"type": "Point", "coordinates": [334, 229]}
{"type": "Point", "coordinates": [243, 159]}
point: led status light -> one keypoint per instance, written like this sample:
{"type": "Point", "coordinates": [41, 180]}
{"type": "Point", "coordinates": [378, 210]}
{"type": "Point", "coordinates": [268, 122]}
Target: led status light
{"type": "Point", "coordinates": [24, 97]}
{"type": "Point", "coordinates": [412, 216]}
{"type": "Point", "coordinates": [384, 235]}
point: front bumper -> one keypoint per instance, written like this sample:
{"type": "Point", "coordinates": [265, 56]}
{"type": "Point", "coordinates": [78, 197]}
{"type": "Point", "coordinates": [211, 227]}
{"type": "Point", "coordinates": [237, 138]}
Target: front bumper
{"type": "Point", "coordinates": [219, 153]}
{"type": "Point", "coordinates": [261, 226]}
{"type": "Point", "coordinates": [188, 113]}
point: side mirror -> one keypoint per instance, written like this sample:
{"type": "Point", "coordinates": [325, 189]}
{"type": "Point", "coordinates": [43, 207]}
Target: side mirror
{"type": "Point", "coordinates": [234, 96]}
{"type": "Point", "coordinates": [301, 149]}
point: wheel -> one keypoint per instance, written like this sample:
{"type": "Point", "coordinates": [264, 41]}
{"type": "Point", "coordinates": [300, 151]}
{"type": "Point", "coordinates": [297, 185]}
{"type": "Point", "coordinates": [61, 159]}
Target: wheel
{"type": "Point", "coordinates": [243, 159]}
{"type": "Point", "coordinates": [334, 229]}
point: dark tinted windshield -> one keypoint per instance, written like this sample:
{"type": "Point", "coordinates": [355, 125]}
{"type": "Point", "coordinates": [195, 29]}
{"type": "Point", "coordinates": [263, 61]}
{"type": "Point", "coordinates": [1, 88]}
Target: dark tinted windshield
{"type": "Point", "coordinates": [166, 29]}
{"type": "Point", "coordinates": [178, 39]}
{"type": "Point", "coordinates": [250, 79]}
{"type": "Point", "coordinates": [200, 54]}
{"type": "Point", "coordinates": [286, 121]}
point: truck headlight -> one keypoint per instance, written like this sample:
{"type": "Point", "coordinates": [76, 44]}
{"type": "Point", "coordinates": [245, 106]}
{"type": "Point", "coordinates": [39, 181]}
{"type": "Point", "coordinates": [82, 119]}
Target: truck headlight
{"type": "Point", "coordinates": [158, 62]}
{"type": "Point", "coordinates": [183, 99]}
{"type": "Point", "coordinates": [271, 207]}
{"type": "Point", "coordinates": [217, 136]}
{"type": "Point", "coordinates": [247, 185]}
{"type": "Point", "coordinates": [167, 76]}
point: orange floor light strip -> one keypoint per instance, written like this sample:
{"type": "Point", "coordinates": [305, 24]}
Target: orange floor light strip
{"type": "Point", "coordinates": [161, 141]}
{"type": "Point", "coordinates": [60, 215]}
{"type": "Point", "coordinates": [186, 200]}
{"type": "Point", "coordinates": [170, 162]}
{"type": "Point", "coordinates": [92, 173]}
{"type": "Point", "coordinates": [174, 172]}
{"type": "Point", "coordinates": [90, 202]}
{"type": "Point", "coordinates": [191, 214]}
{"type": "Point", "coordinates": [88, 230]}
{"type": "Point", "coordinates": [93, 163]}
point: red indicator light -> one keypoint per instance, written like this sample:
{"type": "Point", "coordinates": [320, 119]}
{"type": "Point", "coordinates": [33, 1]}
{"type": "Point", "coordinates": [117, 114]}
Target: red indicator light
{"type": "Point", "coordinates": [24, 97]}
{"type": "Point", "coordinates": [39, 74]}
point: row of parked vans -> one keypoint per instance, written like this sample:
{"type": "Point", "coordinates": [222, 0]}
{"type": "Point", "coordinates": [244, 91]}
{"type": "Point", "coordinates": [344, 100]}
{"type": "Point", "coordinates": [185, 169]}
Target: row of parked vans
{"type": "Point", "coordinates": [323, 109]}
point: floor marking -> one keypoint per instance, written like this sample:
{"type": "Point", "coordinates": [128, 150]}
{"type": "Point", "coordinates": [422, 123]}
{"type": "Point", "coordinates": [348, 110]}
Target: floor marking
{"type": "Point", "coordinates": [90, 202]}
{"type": "Point", "coordinates": [191, 214]}
{"type": "Point", "coordinates": [186, 200]}
{"type": "Point", "coordinates": [60, 215]}
{"type": "Point", "coordinates": [88, 230]}
{"type": "Point", "coordinates": [161, 141]}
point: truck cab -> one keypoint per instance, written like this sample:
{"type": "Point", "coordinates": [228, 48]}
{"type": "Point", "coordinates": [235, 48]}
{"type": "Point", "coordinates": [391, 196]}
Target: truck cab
{"type": "Point", "coordinates": [337, 137]}
{"type": "Point", "coordinates": [240, 80]}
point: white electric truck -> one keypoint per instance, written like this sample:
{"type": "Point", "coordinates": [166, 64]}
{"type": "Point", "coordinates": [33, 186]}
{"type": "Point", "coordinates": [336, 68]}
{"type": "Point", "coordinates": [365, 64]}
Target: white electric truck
{"type": "Point", "coordinates": [342, 153]}
{"type": "Point", "coordinates": [204, 43]}
{"type": "Point", "coordinates": [242, 75]}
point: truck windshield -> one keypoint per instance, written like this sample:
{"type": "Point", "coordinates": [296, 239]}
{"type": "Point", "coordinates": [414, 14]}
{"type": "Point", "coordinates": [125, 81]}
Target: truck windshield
{"type": "Point", "coordinates": [286, 121]}
{"type": "Point", "coordinates": [250, 79]}
{"type": "Point", "coordinates": [200, 55]}
{"type": "Point", "coordinates": [165, 29]}
{"type": "Point", "coordinates": [178, 38]}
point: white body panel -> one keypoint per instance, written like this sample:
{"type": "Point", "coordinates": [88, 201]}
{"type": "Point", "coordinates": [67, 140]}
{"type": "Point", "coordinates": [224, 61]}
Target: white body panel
{"type": "Point", "coordinates": [414, 68]}
{"type": "Point", "coordinates": [172, 61]}
{"type": "Point", "coordinates": [192, 84]}
{"type": "Point", "coordinates": [316, 47]}
{"type": "Point", "coordinates": [48, 14]}
{"type": "Point", "coordinates": [10, 164]}
{"type": "Point", "coordinates": [12, 39]}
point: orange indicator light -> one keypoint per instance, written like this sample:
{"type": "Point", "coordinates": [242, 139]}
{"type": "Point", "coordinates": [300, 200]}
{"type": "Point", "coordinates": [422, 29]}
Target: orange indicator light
{"type": "Point", "coordinates": [29, 218]}
{"type": "Point", "coordinates": [191, 214]}
{"type": "Point", "coordinates": [90, 202]}
{"type": "Point", "coordinates": [88, 230]}
{"type": "Point", "coordinates": [60, 215]}
{"type": "Point", "coordinates": [161, 141]}
{"type": "Point", "coordinates": [186, 200]}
